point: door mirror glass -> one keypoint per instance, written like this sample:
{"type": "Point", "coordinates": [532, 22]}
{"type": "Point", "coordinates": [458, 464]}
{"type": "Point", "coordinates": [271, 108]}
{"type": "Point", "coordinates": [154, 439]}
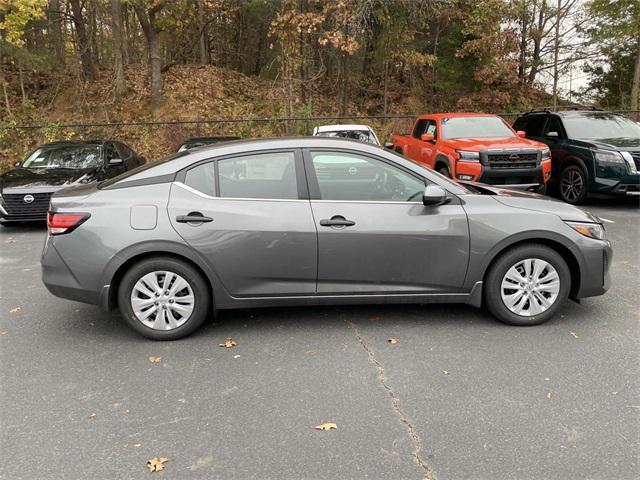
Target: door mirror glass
{"type": "Point", "coordinates": [427, 137]}
{"type": "Point", "coordinates": [434, 196]}
{"type": "Point", "coordinates": [521, 133]}
{"type": "Point", "coordinates": [115, 162]}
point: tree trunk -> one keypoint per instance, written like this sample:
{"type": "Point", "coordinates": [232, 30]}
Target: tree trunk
{"type": "Point", "coordinates": [118, 57]}
{"type": "Point", "coordinates": [556, 51]}
{"type": "Point", "coordinates": [152, 34]}
{"type": "Point", "coordinates": [54, 20]}
{"type": "Point", "coordinates": [635, 87]}
{"type": "Point", "coordinates": [204, 34]}
{"type": "Point", "coordinates": [345, 84]}
{"type": "Point", "coordinates": [84, 48]}
{"type": "Point", "coordinates": [6, 96]}
{"type": "Point", "coordinates": [523, 43]}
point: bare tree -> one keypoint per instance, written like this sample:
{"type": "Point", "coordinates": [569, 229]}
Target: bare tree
{"type": "Point", "coordinates": [118, 57]}
{"type": "Point", "coordinates": [84, 47]}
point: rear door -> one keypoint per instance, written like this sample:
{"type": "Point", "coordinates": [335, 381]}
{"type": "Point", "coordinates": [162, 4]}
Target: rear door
{"type": "Point", "coordinates": [374, 234]}
{"type": "Point", "coordinates": [249, 216]}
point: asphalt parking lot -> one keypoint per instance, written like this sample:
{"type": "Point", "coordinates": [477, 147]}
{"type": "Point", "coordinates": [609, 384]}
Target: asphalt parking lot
{"type": "Point", "coordinates": [458, 396]}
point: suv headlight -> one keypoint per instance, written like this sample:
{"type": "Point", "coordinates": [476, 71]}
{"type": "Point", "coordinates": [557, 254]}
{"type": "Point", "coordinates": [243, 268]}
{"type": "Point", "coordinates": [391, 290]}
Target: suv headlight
{"type": "Point", "coordinates": [466, 156]}
{"type": "Point", "coordinates": [546, 154]}
{"type": "Point", "coordinates": [591, 230]}
{"type": "Point", "coordinates": [608, 156]}
{"type": "Point", "coordinates": [630, 162]}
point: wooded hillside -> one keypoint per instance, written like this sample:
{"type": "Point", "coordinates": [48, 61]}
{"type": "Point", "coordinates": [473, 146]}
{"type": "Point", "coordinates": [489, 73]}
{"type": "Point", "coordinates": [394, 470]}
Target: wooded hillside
{"type": "Point", "coordinates": [114, 60]}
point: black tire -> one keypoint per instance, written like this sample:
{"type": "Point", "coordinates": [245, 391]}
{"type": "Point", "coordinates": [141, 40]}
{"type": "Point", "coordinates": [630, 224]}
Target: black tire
{"type": "Point", "coordinates": [444, 170]}
{"type": "Point", "coordinates": [493, 282]}
{"type": "Point", "coordinates": [200, 288]}
{"type": "Point", "coordinates": [573, 185]}
{"type": "Point", "coordinates": [542, 190]}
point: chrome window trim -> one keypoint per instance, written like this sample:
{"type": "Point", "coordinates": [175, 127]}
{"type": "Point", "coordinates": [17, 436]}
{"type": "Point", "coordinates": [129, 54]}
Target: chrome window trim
{"type": "Point", "coordinates": [204, 195]}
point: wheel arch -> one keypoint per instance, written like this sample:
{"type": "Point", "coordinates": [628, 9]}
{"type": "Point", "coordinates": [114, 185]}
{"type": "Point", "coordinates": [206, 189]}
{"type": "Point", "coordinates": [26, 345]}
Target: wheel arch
{"type": "Point", "coordinates": [444, 161]}
{"type": "Point", "coordinates": [565, 252]}
{"type": "Point", "coordinates": [121, 263]}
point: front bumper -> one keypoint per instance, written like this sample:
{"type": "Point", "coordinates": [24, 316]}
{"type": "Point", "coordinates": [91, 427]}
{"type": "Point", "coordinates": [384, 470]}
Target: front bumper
{"type": "Point", "coordinates": [505, 177]}
{"type": "Point", "coordinates": [596, 256]}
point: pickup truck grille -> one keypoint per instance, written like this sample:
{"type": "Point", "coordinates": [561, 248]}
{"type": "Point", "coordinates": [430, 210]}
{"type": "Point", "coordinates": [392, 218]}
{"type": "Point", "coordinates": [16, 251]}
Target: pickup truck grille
{"type": "Point", "coordinates": [512, 160]}
{"type": "Point", "coordinates": [14, 204]}
{"type": "Point", "coordinates": [636, 158]}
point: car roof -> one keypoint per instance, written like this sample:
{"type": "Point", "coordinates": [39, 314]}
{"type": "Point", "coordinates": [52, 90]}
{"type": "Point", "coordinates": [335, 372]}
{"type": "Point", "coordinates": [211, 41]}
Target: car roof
{"type": "Point", "coordinates": [346, 127]}
{"type": "Point", "coordinates": [573, 113]}
{"type": "Point", "coordinates": [63, 143]}
{"type": "Point", "coordinates": [454, 115]}
{"type": "Point", "coordinates": [214, 138]}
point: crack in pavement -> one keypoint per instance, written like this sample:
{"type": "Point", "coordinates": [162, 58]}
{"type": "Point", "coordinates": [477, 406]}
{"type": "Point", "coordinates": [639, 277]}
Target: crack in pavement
{"type": "Point", "coordinates": [395, 402]}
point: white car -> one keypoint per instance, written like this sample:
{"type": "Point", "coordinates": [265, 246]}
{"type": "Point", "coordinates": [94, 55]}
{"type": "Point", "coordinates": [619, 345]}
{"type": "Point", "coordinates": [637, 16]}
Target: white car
{"type": "Point", "coordinates": [362, 133]}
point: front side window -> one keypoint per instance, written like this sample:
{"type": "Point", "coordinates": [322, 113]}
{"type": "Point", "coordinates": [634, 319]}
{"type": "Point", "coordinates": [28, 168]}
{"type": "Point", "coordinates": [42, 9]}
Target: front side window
{"type": "Point", "coordinates": [266, 175]}
{"type": "Point", "coordinates": [202, 178]}
{"type": "Point", "coordinates": [352, 177]}
{"type": "Point", "coordinates": [535, 125]}
{"type": "Point", "coordinates": [475, 127]}
{"type": "Point", "coordinates": [553, 127]}
{"type": "Point", "coordinates": [69, 157]}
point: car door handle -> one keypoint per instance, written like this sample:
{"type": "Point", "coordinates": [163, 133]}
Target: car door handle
{"type": "Point", "coordinates": [337, 221]}
{"type": "Point", "coordinates": [193, 217]}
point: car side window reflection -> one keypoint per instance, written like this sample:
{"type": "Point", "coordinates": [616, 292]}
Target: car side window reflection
{"type": "Point", "coordinates": [202, 179]}
{"type": "Point", "coordinates": [351, 177]}
{"type": "Point", "coordinates": [266, 175]}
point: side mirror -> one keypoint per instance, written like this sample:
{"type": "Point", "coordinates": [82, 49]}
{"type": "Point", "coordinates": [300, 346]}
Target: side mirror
{"type": "Point", "coordinates": [388, 145]}
{"type": "Point", "coordinates": [552, 135]}
{"type": "Point", "coordinates": [116, 162]}
{"type": "Point", "coordinates": [434, 195]}
{"type": "Point", "coordinates": [427, 137]}
{"type": "Point", "coordinates": [521, 133]}
{"type": "Point", "coordinates": [17, 164]}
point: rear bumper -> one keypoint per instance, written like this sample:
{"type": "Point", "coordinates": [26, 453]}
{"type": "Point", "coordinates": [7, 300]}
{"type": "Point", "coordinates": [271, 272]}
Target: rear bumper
{"type": "Point", "coordinates": [60, 280]}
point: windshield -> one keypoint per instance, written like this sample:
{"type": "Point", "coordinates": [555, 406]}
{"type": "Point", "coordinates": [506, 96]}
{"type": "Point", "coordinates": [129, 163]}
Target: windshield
{"type": "Point", "coordinates": [475, 127]}
{"type": "Point", "coordinates": [360, 135]}
{"type": "Point", "coordinates": [71, 157]}
{"type": "Point", "coordinates": [600, 125]}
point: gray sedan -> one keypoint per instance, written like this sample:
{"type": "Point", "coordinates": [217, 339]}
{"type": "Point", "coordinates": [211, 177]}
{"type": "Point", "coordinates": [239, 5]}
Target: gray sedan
{"type": "Point", "coordinates": [312, 221]}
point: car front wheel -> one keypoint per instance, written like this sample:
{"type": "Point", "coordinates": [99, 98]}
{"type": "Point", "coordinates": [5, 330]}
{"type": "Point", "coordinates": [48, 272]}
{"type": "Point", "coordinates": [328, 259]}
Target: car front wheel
{"type": "Point", "coordinates": [527, 285]}
{"type": "Point", "coordinates": [573, 185]}
{"type": "Point", "coordinates": [163, 298]}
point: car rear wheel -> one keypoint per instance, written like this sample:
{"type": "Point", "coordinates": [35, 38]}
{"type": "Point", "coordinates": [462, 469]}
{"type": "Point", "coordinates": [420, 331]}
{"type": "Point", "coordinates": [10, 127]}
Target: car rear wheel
{"type": "Point", "coordinates": [527, 285]}
{"type": "Point", "coordinates": [573, 185]}
{"type": "Point", "coordinates": [163, 298]}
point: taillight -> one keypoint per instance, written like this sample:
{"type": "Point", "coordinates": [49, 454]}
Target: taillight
{"type": "Point", "coordinates": [59, 223]}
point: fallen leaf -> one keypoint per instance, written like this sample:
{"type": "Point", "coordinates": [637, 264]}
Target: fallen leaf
{"type": "Point", "coordinates": [15, 310]}
{"type": "Point", "coordinates": [137, 445]}
{"type": "Point", "coordinates": [445, 372]}
{"type": "Point", "coordinates": [392, 340]}
{"type": "Point", "coordinates": [92, 415]}
{"type": "Point", "coordinates": [155, 359]}
{"type": "Point", "coordinates": [375, 318]}
{"type": "Point", "coordinates": [326, 426]}
{"type": "Point", "coordinates": [549, 396]}
{"type": "Point", "coordinates": [228, 343]}
{"type": "Point", "coordinates": [236, 356]}
{"type": "Point", "coordinates": [614, 393]}
{"type": "Point", "coordinates": [156, 464]}
{"type": "Point", "coordinates": [574, 334]}
{"type": "Point", "coordinates": [4, 332]}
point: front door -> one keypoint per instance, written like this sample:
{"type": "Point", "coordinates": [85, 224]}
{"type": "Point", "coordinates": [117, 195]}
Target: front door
{"type": "Point", "coordinates": [374, 234]}
{"type": "Point", "coordinates": [245, 216]}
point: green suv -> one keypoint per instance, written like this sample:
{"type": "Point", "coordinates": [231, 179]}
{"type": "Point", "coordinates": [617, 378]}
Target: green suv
{"type": "Point", "coordinates": [592, 151]}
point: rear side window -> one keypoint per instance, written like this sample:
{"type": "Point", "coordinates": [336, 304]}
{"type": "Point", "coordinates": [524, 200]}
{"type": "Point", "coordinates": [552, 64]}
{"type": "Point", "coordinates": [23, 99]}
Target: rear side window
{"type": "Point", "coordinates": [267, 175]}
{"type": "Point", "coordinates": [202, 178]}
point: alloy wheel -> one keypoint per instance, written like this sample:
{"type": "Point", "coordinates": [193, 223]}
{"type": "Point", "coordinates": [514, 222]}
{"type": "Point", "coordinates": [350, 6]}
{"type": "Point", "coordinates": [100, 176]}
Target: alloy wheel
{"type": "Point", "coordinates": [530, 287]}
{"type": "Point", "coordinates": [571, 185]}
{"type": "Point", "coordinates": [162, 300]}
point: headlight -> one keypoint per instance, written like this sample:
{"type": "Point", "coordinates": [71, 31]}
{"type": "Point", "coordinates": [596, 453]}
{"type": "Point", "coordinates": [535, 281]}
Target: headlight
{"type": "Point", "coordinates": [468, 156]}
{"type": "Point", "coordinates": [607, 156]}
{"type": "Point", "coordinates": [630, 162]}
{"type": "Point", "coordinates": [546, 154]}
{"type": "Point", "coordinates": [591, 230]}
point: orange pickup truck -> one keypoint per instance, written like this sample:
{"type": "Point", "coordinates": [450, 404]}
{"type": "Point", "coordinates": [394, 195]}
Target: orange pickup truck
{"type": "Point", "coordinates": [477, 147]}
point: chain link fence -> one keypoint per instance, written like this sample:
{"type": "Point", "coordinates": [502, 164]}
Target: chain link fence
{"type": "Point", "coordinates": [156, 138]}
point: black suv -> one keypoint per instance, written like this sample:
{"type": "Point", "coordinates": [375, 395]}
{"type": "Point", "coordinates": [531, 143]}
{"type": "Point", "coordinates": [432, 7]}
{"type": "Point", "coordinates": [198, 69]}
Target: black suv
{"type": "Point", "coordinates": [26, 189]}
{"type": "Point", "coordinates": [592, 151]}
